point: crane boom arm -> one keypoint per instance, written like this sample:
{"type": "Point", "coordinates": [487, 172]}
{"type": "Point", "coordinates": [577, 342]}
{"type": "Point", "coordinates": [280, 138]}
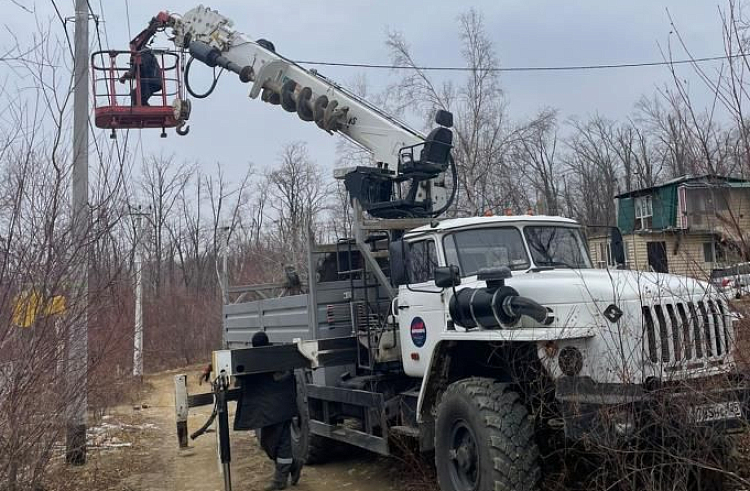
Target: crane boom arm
{"type": "Point", "coordinates": [409, 177]}
{"type": "Point", "coordinates": [354, 117]}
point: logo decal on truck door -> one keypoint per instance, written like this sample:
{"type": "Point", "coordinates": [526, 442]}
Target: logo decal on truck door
{"type": "Point", "coordinates": [418, 332]}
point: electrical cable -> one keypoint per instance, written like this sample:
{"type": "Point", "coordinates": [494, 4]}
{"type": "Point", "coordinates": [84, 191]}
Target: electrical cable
{"type": "Point", "coordinates": [454, 174]}
{"type": "Point", "coordinates": [526, 68]}
{"type": "Point", "coordinates": [187, 81]}
{"type": "Point", "coordinates": [101, 20]}
{"type": "Point", "coordinates": [127, 17]}
{"type": "Point", "coordinates": [64, 24]}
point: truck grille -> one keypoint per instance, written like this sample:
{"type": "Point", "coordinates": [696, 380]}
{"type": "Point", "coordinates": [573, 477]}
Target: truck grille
{"type": "Point", "coordinates": [686, 332]}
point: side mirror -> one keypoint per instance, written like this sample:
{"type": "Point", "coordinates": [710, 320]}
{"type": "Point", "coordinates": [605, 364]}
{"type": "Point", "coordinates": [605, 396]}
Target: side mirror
{"type": "Point", "coordinates": [447, 276]}
{"type": "Point", "coordinates": [617, 247]}
{"type": "Point", "coordinates": [397, 254]}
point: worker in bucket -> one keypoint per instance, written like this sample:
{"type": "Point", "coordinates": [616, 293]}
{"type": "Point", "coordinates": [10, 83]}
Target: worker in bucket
{"type": "Point", "coordinates": [149, 74]}
{"type": "Point", "coordinates": [268, 405]}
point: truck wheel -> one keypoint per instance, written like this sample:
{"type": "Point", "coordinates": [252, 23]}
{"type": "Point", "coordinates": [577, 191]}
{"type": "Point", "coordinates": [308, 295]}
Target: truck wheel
{"type": "Point", "coordinates": [484, 439]}
{"type": "Point", "coordinates": [708, 480]}
{"type": "Point", "coordinates": [718, 464]}
{"type": "Point", "coordinates": [310, 448]}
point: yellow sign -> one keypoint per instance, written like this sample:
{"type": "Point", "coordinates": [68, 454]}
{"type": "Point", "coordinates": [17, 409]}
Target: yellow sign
{"type": "Point", "coordinates": [28, 305]}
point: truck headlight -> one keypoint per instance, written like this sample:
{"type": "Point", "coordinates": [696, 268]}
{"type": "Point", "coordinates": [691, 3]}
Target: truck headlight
{"type": "Point", "coordinates": [570, 361]}
{"type": "Point", "coordinates": [621, 420]}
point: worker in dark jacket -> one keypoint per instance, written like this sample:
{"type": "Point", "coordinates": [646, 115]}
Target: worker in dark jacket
{"type": "Point", "coordinates": [147, 69]}
{"type": "Point", "coordinates": [268, 404]}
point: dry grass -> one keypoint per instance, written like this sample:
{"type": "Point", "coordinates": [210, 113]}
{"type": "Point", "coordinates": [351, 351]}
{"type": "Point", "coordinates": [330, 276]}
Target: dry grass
{"type": "Point", "coordinates": [416, 471]}
{"type": "Point", "coordinates": [119, 454]}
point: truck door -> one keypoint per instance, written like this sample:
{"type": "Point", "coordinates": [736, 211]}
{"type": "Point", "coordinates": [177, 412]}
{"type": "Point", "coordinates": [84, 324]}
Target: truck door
{"type": "Point", "coordinates": [421, 310]}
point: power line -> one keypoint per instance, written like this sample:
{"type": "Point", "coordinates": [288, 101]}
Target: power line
{"type": "Point", "coordinates": [127, 16]}
{"type": "Point", "coordinates": [121, 153]}
{"type": "Point", "coordinates": [99, 40]}
{"type": "Point", "coordinates": [560, 68]}
{"type": "Point", "coordinates": [64, 24]}
{"type": "Point", "coordinates": [106, 33]}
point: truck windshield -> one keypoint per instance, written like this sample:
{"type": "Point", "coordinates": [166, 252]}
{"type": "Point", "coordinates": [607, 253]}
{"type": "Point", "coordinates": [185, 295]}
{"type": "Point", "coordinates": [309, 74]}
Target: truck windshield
{"type": "Point", "coordinates": [472, 250]}
{"type": "Point", "coordinates": [557, 247]}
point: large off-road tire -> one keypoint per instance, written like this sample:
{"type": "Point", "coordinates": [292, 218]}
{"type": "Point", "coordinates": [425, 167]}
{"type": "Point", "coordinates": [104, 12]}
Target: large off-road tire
{"type": "Point", "coordinates": [720, 461]}
{"type": "Point", "coordinates": [484, 439]}
{"type": "Point", "coordinates": [313, 449]}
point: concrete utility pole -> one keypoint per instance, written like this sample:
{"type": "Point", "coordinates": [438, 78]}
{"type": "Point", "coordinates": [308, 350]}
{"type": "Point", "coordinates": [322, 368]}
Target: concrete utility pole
{"type": "Point", "coordinates": [224, 277]}
{"type": "Point", "coordinates": [137, 266]}
{"type": "Point", "coordinates": [77, 376]}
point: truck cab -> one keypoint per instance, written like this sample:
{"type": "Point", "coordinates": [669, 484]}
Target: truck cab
{"type": "Point", "coordinates": [617, 351]}
{"type": "Point", "coordinates": [604, 330]}
{"type": "Point", "coordinates": [532, 248]}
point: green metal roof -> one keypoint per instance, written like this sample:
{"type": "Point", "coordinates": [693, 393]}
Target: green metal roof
{"type": "Point", "coordinates": [691, 180]}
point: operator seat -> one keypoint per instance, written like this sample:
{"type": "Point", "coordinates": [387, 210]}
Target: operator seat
{"type": "Point", "coordinates": [436, 150]}
{"type": "Point", "coordinates": [374, 187]}
{"type": "Point", "coordinates": [437, 147]}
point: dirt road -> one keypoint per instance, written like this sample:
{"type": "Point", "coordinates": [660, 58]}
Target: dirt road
{"type": "Point", "coordinates": [137, 451]}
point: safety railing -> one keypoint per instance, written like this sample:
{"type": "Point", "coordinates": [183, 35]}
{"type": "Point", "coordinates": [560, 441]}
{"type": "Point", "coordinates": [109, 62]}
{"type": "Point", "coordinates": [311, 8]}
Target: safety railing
{"type": "Point", "coordinates": [108, 67]}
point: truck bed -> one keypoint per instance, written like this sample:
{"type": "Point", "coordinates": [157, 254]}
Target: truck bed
{"type": "Point", "coordinates": [287, 318]}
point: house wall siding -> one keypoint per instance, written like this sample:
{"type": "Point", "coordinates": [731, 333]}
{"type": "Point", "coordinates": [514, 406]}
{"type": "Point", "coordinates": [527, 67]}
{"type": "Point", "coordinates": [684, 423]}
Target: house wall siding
{"type": "Point", "coordinates": [686, 259]}
{"type": "Point", "coordinates": [684, 253]}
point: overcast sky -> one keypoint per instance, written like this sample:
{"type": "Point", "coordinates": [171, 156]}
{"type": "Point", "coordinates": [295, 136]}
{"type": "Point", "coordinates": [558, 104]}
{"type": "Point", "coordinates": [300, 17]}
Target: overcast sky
{"type": "Point", "coordinates": [234, 130]}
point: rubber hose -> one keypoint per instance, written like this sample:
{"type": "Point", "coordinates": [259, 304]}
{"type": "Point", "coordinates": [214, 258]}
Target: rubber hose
{"type": "Point", "coordinates": [187, 81]}
{"type": "Point", "coordinates": [526, 306]}
{"type": "Point", "coordinates": [206, 425]}
{"type": "Point", "coordinates": [454, 191]}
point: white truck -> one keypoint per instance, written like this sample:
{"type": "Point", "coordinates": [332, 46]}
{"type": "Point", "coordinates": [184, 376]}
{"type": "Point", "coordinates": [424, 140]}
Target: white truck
{"type": "Point", "coordinates": [482, 337]}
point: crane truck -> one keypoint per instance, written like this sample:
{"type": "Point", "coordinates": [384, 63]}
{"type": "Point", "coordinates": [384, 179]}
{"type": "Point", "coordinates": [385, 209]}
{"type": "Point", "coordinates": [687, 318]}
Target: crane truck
{"type": "Point", "coordinates": [481, 338]}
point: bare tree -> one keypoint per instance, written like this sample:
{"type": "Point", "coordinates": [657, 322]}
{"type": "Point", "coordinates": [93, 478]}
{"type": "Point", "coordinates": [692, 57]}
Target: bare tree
{"type": "Point", "coordinates": [298, 193]}
{"type": "Point", "coordinates": [38, 249]}
{"type": "Point", "coordinates": [594, 170]}
{"type": "Point", "coordinates": [161, 185]}
{"type": "Point", "coordinates": [483, 136]}
{"type": "Point", "coordinates": [535, 154]}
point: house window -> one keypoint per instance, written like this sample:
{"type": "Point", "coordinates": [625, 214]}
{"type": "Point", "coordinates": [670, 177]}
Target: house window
{"type": "Point", "coordinates": [602, 255]}
{"type": "Point", "coordinates": [423, 260]}
{"type": "Point", "coordinates": [643, 213]}
{"type": "Point", "coordinates": [703, 204]}
{"type": "Point", "coordinates": [717, 252]}
{"type": "Point", "coordinates": [709, 253]}
{"type": "Point", "coordinates": [605, 255]}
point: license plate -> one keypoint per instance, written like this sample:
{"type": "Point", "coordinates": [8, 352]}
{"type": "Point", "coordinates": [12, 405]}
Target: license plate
{"type": "Point", "coordinates": [716, 412]}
